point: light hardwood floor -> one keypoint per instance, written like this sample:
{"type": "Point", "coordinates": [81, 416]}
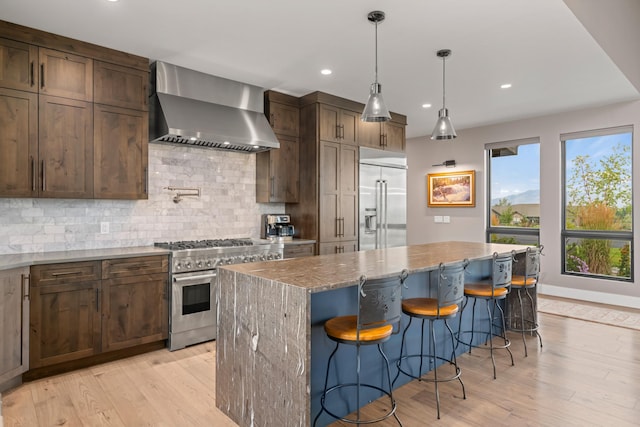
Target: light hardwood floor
{"type": "Point", "coordinates": [587, 374]}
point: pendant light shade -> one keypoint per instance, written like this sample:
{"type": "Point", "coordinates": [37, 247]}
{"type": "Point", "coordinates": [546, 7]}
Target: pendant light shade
{"type": "Point", "coordinates": [444, 129]}
{"type": "Point", "coordinates": [375, 110]}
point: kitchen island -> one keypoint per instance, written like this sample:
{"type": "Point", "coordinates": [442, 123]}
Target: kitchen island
{"type": "Point", "coordinates": [271, 348]}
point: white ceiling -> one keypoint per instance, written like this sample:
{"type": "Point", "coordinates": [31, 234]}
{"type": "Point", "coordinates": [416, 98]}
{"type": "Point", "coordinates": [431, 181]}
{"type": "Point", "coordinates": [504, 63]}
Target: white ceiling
{"type": "Point", "coordinates": [538, 46]}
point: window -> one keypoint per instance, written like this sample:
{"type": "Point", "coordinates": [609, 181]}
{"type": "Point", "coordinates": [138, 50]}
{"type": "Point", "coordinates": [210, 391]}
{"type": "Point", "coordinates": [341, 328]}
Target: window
{"type": "Point", "coordinates": [513, 196]}
{"type": "Point", "coordinates": [597, 235]}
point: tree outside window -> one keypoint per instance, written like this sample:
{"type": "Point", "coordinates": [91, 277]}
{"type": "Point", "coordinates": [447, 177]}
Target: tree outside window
{"type": "Point", "coordinates": [598, 205]}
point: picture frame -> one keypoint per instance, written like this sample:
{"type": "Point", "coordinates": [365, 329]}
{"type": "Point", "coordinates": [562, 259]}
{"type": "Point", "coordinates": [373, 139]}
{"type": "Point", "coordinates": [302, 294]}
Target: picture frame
{"type": "Point", "coordinates": [451, 189]}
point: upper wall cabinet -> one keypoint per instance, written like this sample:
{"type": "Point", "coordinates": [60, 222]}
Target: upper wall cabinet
{"type": "Point", "coordinates": [277, 171]}
{"type": "Point", "coordinates": [48, 88]}
{"type": "Point", "coordinates": [384, 135]}
{"type": "Point", "coordinates": [18, 65]}
{"type": "Point", "coordinates": [338, 124]}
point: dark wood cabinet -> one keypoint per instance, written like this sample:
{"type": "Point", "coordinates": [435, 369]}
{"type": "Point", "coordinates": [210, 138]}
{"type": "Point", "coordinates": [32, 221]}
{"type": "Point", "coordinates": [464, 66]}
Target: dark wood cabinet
{"type": "Point", "coordinates": [298, 250]}
{"type": "Point", "coordinates": [120, 148]}
{"type": "Point", "coordinates": [338, 247]}
{"type": "Point", "coordinates": [65, 75]}
{"type": "Point", "coordinates": [48, 88]}
{"type": "Point", "coordinates": [120, 86]}
{"type": "Point", "coordinates": [328, 207]}
{"type": "Point", "coordinates": [384, 135]}
{"type": "Point", "coordinates": [338, 192]}
{"type": "Point", "coordinates": [65, 312]}
{"type": "Point", "coordinates": [338, 124]}
{"type": "Point", "coordinates": [135, 309]}
{"type": "Point", "coordinates": [18, 65]}
{"type": "Point", "coordinates": [84, 309]}
{"type": "Point", "coordinates": [283, 113]}
{"type": "Point", "coordinates": [18, 143]}
{"type": "Point", "coordinates": [277, 171]}
{"type": "Point", "coordinates": [65, 148]}
{"type": "Point", "coordinates": [14, 324]}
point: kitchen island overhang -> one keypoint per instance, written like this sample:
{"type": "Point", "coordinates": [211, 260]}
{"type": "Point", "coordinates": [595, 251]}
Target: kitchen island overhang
{"type": "Point", "coordinates": [271, 348]}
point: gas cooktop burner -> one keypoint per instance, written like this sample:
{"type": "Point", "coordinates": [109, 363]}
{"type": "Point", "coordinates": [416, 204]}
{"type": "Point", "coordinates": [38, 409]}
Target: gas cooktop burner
{"type": "Point", "coordinates": [199, 244]}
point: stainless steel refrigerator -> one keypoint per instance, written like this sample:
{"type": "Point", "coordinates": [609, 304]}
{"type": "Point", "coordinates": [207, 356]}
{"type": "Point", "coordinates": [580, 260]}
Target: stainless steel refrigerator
{"type": "Point", "coordinates": [383, 199]}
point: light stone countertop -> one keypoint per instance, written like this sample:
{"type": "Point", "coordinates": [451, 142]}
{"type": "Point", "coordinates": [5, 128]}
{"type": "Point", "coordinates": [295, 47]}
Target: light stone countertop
{"type": "Point", "coordinates": [325, 272]}
{"type": "Point", "coordinates": [9, 261]}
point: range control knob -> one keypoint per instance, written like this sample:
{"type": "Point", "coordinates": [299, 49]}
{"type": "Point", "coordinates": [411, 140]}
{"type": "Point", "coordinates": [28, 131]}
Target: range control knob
{"type": "Point", "coordinates": [269, 256]}
{"type": "Point", "coordinates": [262, 257]}
{"type": "Point", "coordinates": [278, 256]}
{"type": "Point", "coordinates": [209, 263]}
{"type": "Point", "coordinates": [187, 264]}
{"type": "Point", "coordinates": [178, 266]}
{"type": "Point", "coordinates": [229, 260]}
{"type": "Point", "coordinates": [245, 259]}
{"type": "Point", "coordinates": [199, 264]}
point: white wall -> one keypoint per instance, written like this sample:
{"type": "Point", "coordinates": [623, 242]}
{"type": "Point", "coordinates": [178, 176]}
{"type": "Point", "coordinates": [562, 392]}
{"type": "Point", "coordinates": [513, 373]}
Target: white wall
{"type": "Point", "coordinates": [469, 223]}
{"type": "Point", "coordinates": [226, 208]}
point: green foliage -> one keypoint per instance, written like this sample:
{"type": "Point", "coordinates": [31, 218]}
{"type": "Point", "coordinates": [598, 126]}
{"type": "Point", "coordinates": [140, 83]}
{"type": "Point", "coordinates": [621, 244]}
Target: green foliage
{"type": "Point", "coordinates": [624, 265]}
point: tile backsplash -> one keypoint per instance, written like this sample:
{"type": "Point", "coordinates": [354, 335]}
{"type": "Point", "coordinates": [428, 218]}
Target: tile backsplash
{"type": "Point", "coordinates": [225, 208]}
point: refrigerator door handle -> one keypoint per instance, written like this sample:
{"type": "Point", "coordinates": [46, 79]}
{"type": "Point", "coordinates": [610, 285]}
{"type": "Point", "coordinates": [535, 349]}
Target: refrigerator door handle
{"type": "Point", "coordinates": [378, 210]}
{"type": "Point", "coordinates": [384, 213]}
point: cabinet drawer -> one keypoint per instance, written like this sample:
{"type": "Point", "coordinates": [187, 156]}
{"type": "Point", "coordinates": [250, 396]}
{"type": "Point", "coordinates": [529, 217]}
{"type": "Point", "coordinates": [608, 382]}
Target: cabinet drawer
{"type": "Point", "coordinates": [72, 272]}
{"type": "Point", "coordinates": [123, 267]}
{"type": "Point", "coordinates": [298, 251]}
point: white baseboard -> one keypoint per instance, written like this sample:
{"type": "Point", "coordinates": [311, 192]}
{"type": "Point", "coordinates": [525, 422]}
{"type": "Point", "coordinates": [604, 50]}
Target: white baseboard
{"type": "Point", "coordinates": [591, 296]}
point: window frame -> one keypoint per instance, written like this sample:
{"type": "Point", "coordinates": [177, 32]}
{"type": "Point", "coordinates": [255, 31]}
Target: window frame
{"type": "Point", "coordinates": [489, 229]}
{"type": "Point", "coordinates": [566, 234]}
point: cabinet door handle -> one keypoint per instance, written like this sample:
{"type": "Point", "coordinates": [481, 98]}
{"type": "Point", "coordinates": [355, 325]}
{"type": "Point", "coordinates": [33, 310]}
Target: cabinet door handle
{"type": "Point", "coordinates": [25, 287]}
{"type": "Point", "coordinates": [97, 299]}
{"type": "Point", "coordinates": [33, 174]}
{"type": "Point", "coordinates": [384, 140]}
{"type": "Point", "coordinates": [44, 179]}
{"type": "Point", "coordinates": [42, 75]}
{"type": "Point", "coordinates": [66, 273]}
{"type": "Point", "coordinates": [337, 227]}
{"type": "Point", "coordinates": [272, 190]}
{"type": "Point", "coordinates": [145, 177]}
{"type": "Point", "coordinates": [342, 227]}
{"type": "Point", "coordinates": [341, 131]}
{"type": "Point", "coordinates": [337, 131]}
{"type": "Point", "coordinates": [32, 73]}
{"type": "Point", "coordinates": [272, 119]}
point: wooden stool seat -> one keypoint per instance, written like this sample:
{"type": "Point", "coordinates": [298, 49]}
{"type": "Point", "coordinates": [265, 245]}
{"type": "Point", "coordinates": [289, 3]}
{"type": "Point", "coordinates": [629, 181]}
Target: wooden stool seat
{"type": "Point", "coordinates": [345, 328]}
{"type": "Point", "coordinates": [484, 291]}
{"type": "Point", "coordinates": [523, 282]}
{"type": "Point", "coordinates": [427, 307]}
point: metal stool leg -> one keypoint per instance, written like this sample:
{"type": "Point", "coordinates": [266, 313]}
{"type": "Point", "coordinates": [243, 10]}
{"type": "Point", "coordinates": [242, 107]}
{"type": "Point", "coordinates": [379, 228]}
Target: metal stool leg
{"type": "Point", "coordinates": [534, 311]}
{"type": "Point", "coordinates": [326, 382]}
{"type": "Point", "coordinates": [522, 328]}
{"type": "Point", "coordinates": [504, 333]}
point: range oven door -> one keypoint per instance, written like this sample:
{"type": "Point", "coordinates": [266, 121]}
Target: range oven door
{"type": "Point", "coordinates": [193, 309]}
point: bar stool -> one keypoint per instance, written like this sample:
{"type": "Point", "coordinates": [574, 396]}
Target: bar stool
{"type": "Point", "coordinates": [442, 304]}
{"type": "Point", "coordinates": [491, 290]}
{"type": "Point", "coordinates": [522, 284]}
{"type": "Point", "coordinates": [379, 310]}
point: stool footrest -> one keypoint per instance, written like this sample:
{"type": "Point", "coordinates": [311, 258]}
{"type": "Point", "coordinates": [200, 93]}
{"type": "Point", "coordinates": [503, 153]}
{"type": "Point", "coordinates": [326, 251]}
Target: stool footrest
{"type": "Point", "coordinates": [429, 357]}
{"type": "Point", "coordinates": [386, 415]}
{"type": "Point", "coordinates": [470, 344]}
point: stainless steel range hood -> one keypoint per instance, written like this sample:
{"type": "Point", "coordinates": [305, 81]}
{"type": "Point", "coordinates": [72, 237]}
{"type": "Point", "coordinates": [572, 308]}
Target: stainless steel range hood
{"type": "Point", "coordinates": [193, 108]}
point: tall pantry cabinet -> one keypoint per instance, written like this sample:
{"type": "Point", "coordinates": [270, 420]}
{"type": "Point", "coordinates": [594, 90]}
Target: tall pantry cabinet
{"type": "Point", "coordinates": [328, 207]}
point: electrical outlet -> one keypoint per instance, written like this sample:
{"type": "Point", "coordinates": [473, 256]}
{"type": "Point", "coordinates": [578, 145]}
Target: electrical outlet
{"type": "Point", "coordinates": [437, 218]}
{"type": "Point", "coordinates": [446, 219]}
{"type": "Point", "coordinates": [104, 228]}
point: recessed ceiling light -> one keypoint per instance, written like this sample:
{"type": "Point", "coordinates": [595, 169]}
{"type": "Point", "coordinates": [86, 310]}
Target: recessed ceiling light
{"type": "Point", "coordinates": [426, 105]}
{"type": "Point", "coordinates": [226, 143]}
{"type": "Point", "coordinates": [113, 1]}
{"type": "Point", "coordinates": [326, 72]}
{"type": "Point", "coordinates": [505, 86]}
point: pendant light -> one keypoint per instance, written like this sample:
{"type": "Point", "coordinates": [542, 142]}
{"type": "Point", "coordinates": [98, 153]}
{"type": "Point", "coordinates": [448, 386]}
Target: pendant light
{"type": "Point", "coordinates": [444, 129]}
{"type": "Point", "coordinates": [375, 110]}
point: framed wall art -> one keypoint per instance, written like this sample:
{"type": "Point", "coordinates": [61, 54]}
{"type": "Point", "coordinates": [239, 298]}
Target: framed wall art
{"type": "Point", "coordinates": [451, 189]}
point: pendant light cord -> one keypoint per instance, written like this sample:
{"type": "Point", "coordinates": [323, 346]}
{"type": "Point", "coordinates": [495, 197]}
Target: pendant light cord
{"type": "Point", "coordinates": [443, 81]}
{"type": "Point", "coordinates": [376, 44]}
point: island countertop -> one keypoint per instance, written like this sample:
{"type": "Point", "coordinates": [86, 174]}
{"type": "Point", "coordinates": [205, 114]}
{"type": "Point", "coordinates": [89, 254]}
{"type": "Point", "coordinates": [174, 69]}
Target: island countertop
{"type": "Point", "coordinates": [271, 349]}
{"type": "Point", "coordinates": [321, 273]}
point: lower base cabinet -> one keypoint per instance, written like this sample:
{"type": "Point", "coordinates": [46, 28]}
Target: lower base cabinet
{"type": "Point", "coordinates": [337, 247]}
{"type": "Point", "coordinates": [14, 321]}
{"type": "Point", "coordinates": [83, 309]}
{"type": "Point", "coordinates": [298, 250]}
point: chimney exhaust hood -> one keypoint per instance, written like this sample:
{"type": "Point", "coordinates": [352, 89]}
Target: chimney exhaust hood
{"type": "Point", "coordinates": [192, 108]}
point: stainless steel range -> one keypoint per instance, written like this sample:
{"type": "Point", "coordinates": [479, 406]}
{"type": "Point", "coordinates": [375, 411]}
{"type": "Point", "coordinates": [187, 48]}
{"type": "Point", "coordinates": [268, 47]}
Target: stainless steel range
{"type": "Point", "coordinates": [193, 312]}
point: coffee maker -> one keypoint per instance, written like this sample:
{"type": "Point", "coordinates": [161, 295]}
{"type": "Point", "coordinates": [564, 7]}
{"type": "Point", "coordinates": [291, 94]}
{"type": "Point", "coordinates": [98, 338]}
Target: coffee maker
{"type": "Point", "coordinates": [277, 227]}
